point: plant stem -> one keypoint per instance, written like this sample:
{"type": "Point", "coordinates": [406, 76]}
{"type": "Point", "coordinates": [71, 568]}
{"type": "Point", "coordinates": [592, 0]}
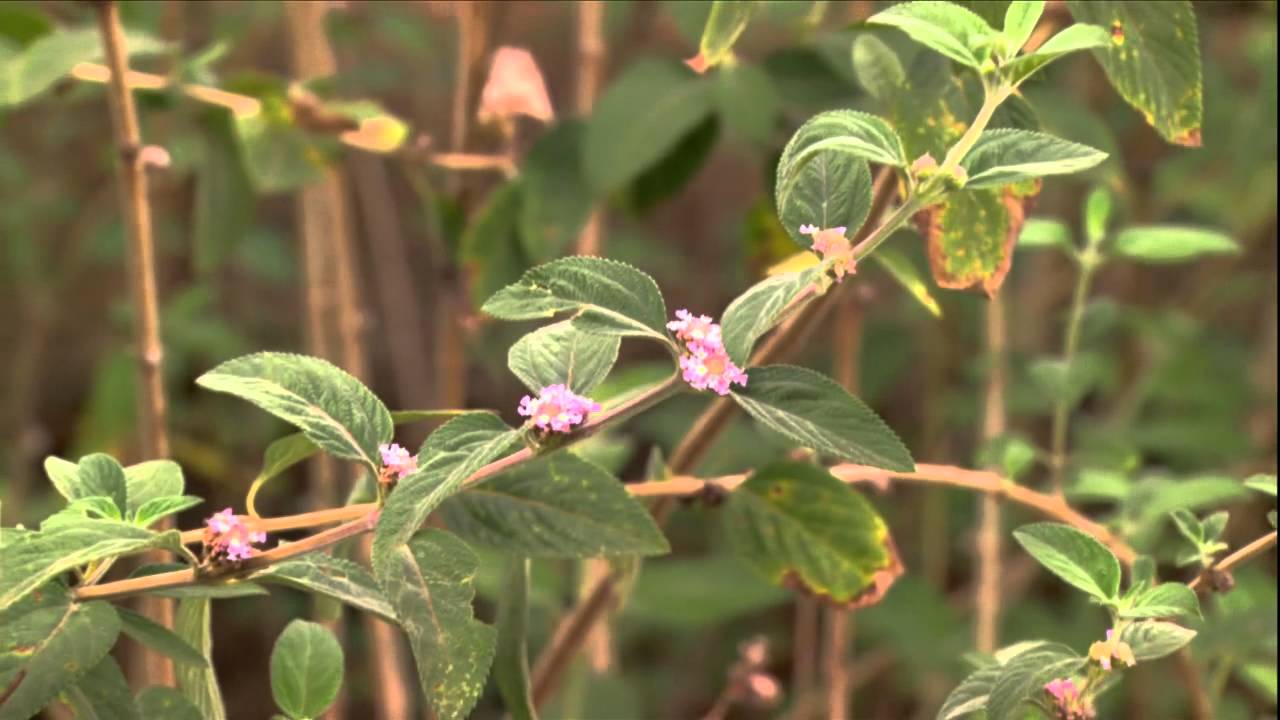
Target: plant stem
{"type": "Point", "coordinates": [987, 591]}
{"type": "Point", "coordinates": [1257, 547]}
{"type": "Point", "coordinates": [991, 100]}
{"type": "Point", "coordinates": [1089, 261]}
{"type": "Point", "coordinates": [154, 441]}
{"type": "Point", "coordinates": [590, 69]}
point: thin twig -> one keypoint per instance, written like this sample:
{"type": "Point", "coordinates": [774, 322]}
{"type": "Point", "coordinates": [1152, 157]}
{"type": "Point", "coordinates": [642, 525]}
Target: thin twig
{"type": "Point", "coordinates": [1229, 562]}
{"type": "Point", "coordinates": [134, 200]}
{"type": "Point", "coordinates": [987, 589]}
{"type": "Point", "coordinates": [590, 70]}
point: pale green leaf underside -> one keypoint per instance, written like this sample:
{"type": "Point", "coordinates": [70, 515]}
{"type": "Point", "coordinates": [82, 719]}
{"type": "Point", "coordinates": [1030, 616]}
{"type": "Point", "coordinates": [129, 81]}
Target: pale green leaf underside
{"type": "Point", "coordinates": [1171, 243]}
{"type": "Point", "coordinates": [1075, 557]}
{"type": "Point", "coordinates": [942, 26]}
{"type": "Point", "coordinates": [332, 577]}
{"type": "Point", "coordinates": [758, 310]}
{"type": "Point", "coordinates": [1001, 157]}
{"type": "Point", "coordinates": [306, 669]}
{"type": "Point", "coordinates": [198, 685]}
{"type": "Point", "coordinates": [332, 408]}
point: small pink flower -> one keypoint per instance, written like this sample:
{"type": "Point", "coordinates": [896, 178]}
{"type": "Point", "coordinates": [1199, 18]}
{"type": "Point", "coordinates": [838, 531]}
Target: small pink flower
{"type": "Point", "coordinates": [227, 537]}
{"type": "Point", "coordinates": [710, 368]}
{"type": "Point", "coordinates": [832, 245]}
{"type": "Point", "coordinates": [557, 409]}
{"type": "Point", "coordinates": [1112, 648]}
{"type": "Point", "coordinates": [515, 87]}
{"type": "Point", "coordinates": [1069, 705]}
{"type": "Point", "coordinates": [397, 461]}
{"type": "Point", "coordinates": [691, 330]}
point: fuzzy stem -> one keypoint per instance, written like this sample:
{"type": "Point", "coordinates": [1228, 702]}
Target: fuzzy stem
{"type": "Point", "coordinates": [1089, 262]}
{"type": "Point", "coordinates": [154, 441]}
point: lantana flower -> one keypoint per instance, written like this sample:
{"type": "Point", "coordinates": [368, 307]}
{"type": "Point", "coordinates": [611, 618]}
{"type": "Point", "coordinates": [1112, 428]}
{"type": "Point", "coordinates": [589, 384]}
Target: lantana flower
{"type": "Point", "coordinates": [557, 409]}
{"type": "Point", "coordinates": [705, 364]}
{"type": "Point", "coordinates": [832, 245]}
{"type": "Point", "coordinates": [1068, 703]}
{"type": "Point", "coordinates": [396, 461]}
{"type": "Point", "coordinates": [709, 367]}
{"type": "Point", "coordinates": [1104, 651]}
{"type": "Point", "coordinates": [514, 87]}
{"type": "Point", "coordinates": [228, 538]}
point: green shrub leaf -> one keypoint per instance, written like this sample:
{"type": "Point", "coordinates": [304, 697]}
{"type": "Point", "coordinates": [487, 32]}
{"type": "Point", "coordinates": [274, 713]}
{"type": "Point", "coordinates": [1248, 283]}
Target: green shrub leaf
{"type": "Point", "coordinates": [641, 116]}
{"type": "Point", "coordinates": [942, 26]}
{"type": "Point", "coordinates": [1154, 639]}
{"type": "Point", "coordinates": [511, 666]}
{"type": "Point", "coordinates": [1152, 60]}
{"type": "Point", "coordinates": [1077, 558]}
{"type": "Point", "coordinates": [48, 644]}
{"type": "Point", "coordinates": [429, 584]}
{"type": "Point", "coordinates": [563, 354]}
{"type": "Point", "coordinates": [814, 411]}
{"type": "Point", "coordinates": [332, 408]}
{"type": "Point", "coordinates": [800, 526]}
{"type": "Point", "coordinates": [877, 67]}
{"type": "Point", "coordinates": [48, 59]}
{"type": "Point", "coordinates": [1024, 675]}
{"type": "Point", "coordinates": [1020, 20]}
{"type": "Point", "coordinates": [607, 297]}
{"type": "Point", "coordinates": [150, 480]}
{"type": "Point", "coordinates": [1173, 600]}
{"type": "Point", "coordinates": [561, 506]}
{"type": "Point", "coordinates": [1171, 243]}
{"type": "Point", "coordinates": [198, 683]}
{"type": "Point", "coordinates": [102, 694]}
{"type": "Point", "coordinates": [725, 22]}
{"type": "Point", "coordinates": [158, 637]}
{"type": "Point", "coordinates": [451, 454]}
{"type": "Point", "coordinates": [759, 309]}
{"type": "Point", "coordinates": [165, 703]}
{"type": "Point", "coordinates": [1081, 36]}
{"type": "Point", "coordinates": [333, 577]}
{"type": "Point", "coordinates": [1001, 157]}
{"type": "Point", "coordinates": [306, 669]}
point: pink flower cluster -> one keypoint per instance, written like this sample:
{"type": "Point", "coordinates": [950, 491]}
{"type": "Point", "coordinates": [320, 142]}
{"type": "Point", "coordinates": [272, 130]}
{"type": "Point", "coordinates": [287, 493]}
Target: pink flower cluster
{"type": "Point", "coordinates": [831, 244]}
{"type": "Point", "coordinates": [397, 462]}
{"type": "Point", "coordinates": [557, 409]}
{"type": "Point", "coordinates": [705, 363]}
{"type": "Point", "coordinates": [227, 537]}
{"type": "Point", "coordinates": [1068, 703]}
{"type": "Point", "coordinates": [1113, 648]}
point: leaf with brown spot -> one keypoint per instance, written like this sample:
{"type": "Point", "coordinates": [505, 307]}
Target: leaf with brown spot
{"type": "Point", "coordinates": [804, 529]}
{"type": "Point", "coordinates": [971, 236]}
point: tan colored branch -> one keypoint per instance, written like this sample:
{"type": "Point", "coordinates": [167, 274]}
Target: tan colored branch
{"type": "Point", "coordinates": [134, 200]}
{"type": "Point", "coordinates": [590, 71]}
{"type": "Point", "coordinates": [1257, 547]}
{"type": "Point", "coordinates": [987, 589]}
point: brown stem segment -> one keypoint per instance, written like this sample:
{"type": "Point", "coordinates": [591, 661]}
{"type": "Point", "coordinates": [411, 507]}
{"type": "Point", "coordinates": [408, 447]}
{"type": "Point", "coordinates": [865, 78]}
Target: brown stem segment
{"type": "Point", "coordinates": [987, 591]}
{"type": "Point", "coordinates": [153, 438]}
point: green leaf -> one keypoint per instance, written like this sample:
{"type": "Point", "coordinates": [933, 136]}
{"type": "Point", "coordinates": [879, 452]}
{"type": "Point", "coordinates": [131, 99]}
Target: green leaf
{"type": "Point", "coordinates": [1020, 20]}
{"type": "Point", "coordinates": [48, 644]}
{"type": "Point", "coordinates": [971, 236]}
{"type": "Point", "coordinates": [491, 249]}
{"type": "Point", "coordinates": [152, 479]}
{"type": "Point", "coordinates": [674, 170]}
{"type": "Point", "coordinates": [158, 637]}
{"type": "Point", "coordinates": [1064, 382]}
{"type": "Point", "coordinates": [278, 156]}
{"type": "Point", "coordinates": [1152, 60]}
{"type": "Point", "coordinates": [1154, 639]}
{"type": "Point", "coordinates": [429, 583]}
{"type": "Point", "coordinates": [511, 666]}
{"type": "Point", "coordinates": [449, 456]}
{"type": "Point", "coordinates": [799, 525]}
{"type": "Point", "coordinates": [101, 475]}
{"type": "Point", "coordinates": [557, 199]}
{"type": "Point", "coordinates": [1001, 157]}
{"type": "Point", "coordinates": [1080, 36]}
{"type": "Point", "coordinates": [282, 454]}
{"type": "Point", "coordinates": [1097, 214]}
{"type": "Point", "coordinates": [902, 270]}
{"type": "Point", "coordinates": [857, 134]}
{"type": "Point", "coordinates": [971, 695]}
{"type": "Point", "coordinates": [877, 67]}
{"type": "Point", "coordinates": [332, 577]}
{"type": "Point", "coordinates": [102, 694]}
{"type": "Point", "coordinates": [405, 417]}
{"type": "Point", "coordinates": [198, 684]}
{"type": "Point", "coordinates": [160, 507]}
{"type": "Point", "coordinates": [37, 557]}
{"type": "Point", "coordinates": [97, 506]}
{"type": "Point", "coordinates": [1024, 676]}
{"type": "Point", "coordinates": [607, 297]}
{"type": "Point", "coordinates": [1262, 483]}
{"type": "Point", "coordinates": [1189, 525]}
{"type": "Point", "coordinates": [306, 669]}
{"type": "Point", "coordinates": [332, 408]}
{"type": "Point", "coordinates": [1077, 558]}
{"type": "Point", "coordinates": [759, 309]}
{"type": "Point", "coordinates": [1215, 524]}
{"type": "Point", "coordinates": [833, 189]}
{"type": "Point", "coordinates": [35, 68]}
{"type": "Point", "coordinates": [1167, 600]}
{"type": "Point", "coordinates": [561, 506]}
{"type": "Point", "coordinates": [64, 475]}
{"type": "Point", "coordinates": [816, 412]}
{"type": "Point", "coordinates": [747, 103]}
{"type": "Point", "coordinates": [563, 354]}
{"type": "Point", "coordinates": [941, 26]}
{"type": "Point", "coordinates": [165, 703]}
{"type": "Point", "coordinates": [1171, 243]}
{"type": "Point", "coordinates": [725, 22]}
{"type": "Point", "coordinates": [640, 117]}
